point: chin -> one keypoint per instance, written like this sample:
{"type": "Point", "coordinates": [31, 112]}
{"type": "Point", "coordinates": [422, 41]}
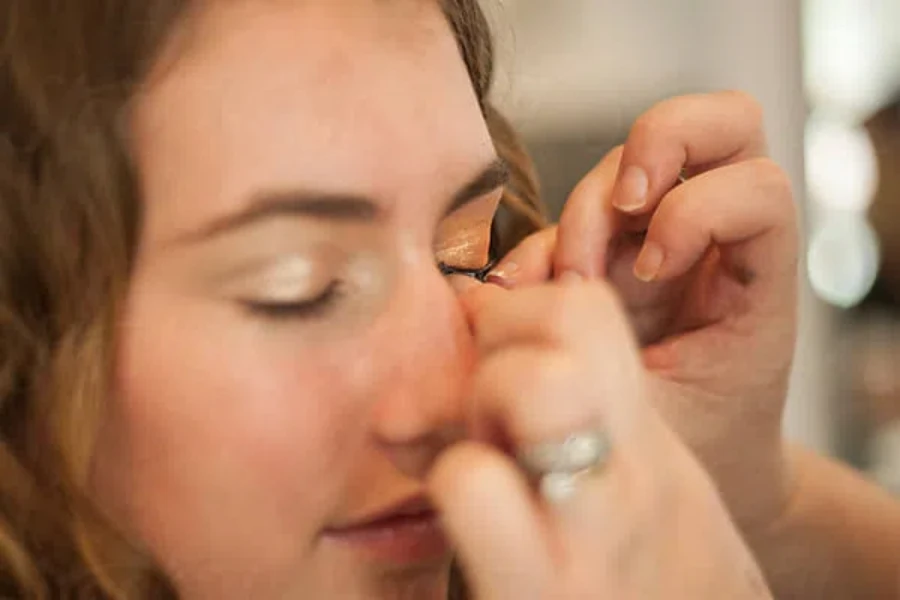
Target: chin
{"type": "Point", "coordinates": [425, 583]}
{"type": "Point", "coordinates": [419, 582]}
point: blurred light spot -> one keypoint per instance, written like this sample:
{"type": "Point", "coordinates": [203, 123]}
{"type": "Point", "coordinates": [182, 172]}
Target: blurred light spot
{"type": "Point", "coordinates": [841, 166]}
{"type": "Point", "coordinates": [843, 260]}
{"type": "Point", "coordinates": [848, 54]}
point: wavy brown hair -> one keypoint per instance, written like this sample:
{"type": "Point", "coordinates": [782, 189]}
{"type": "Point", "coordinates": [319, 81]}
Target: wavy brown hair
{"type": "Point", "coordinates": [69, 220]}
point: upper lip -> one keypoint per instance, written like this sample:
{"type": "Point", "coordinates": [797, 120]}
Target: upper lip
{"type": "Point", "coordinates": [409, 507]}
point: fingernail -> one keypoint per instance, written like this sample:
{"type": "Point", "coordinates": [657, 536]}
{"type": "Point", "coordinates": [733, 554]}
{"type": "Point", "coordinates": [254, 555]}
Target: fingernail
{"type": "Point", "coordinates": [503, 274]}
{"type": "Point", "coordinates": [631, 193]}
{"type": "Point", "coordinates": [649, 262]}
{"type": "Point", "coordinates": [569, 277]}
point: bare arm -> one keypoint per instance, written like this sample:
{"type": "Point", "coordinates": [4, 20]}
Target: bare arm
{"type": "Point", "coordinates": [839, 539]}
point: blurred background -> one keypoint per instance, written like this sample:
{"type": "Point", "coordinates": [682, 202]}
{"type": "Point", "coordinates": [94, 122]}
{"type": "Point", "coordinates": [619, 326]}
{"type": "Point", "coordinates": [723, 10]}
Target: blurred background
{"type": "Point", "coordinates": [575, 74]}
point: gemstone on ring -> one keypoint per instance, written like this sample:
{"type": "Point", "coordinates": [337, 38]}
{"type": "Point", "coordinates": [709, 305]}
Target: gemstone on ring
{"type": "Point", "coordinates": [576, 453]}
{"type": "Point", "coordinates": [556, 488]}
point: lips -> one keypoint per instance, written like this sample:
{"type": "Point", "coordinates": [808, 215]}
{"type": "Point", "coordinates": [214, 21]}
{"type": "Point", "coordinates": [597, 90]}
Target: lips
{"type": "Point", "coordinates": [405, 533]}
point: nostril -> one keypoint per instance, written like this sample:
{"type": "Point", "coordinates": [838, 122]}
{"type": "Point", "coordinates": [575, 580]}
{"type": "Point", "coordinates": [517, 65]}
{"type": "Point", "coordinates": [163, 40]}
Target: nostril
{"type": "Point", "coordinates": [414, 458]}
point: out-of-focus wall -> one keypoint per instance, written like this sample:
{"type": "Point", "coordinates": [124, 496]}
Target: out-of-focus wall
{"type": "Point", "coordinates": [575, 73]}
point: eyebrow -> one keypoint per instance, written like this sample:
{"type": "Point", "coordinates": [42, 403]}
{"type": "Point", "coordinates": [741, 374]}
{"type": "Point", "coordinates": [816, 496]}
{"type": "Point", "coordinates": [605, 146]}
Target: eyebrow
{"type": "Point", "coordinates": [341, 207]}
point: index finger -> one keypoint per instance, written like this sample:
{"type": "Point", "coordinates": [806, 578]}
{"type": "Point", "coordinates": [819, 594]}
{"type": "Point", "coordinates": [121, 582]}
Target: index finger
{"type": "Point", "coordinates": [695, 133]}
{"type": "Point", "coordinates": [497, 527]}
{"type": "Point", "coordinates": [587, 222]}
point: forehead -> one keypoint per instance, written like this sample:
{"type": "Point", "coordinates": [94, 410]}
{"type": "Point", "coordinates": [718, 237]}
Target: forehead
{"type": "Point", "coordinates": [367, 97]}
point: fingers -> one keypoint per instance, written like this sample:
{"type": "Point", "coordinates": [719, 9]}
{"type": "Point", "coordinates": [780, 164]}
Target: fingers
{"type": "Point", "coordinates": [588, 222]}
{"type": "Point", "coordinates": [487, 508]}
{"type": "Point", "coordinates": [560, 359]}
{"type": "Point", "coordinates": [753, 223]}
{"type": "Point", "coordinates": [555, 359]}
{"type": "Point", "coordinates": [529, 263]}
{"type": "Point", "coordinates": [697, 132]}
{"type": "Point", "coordinates": [540, 395]}
{"type": "Point", "coordinates": [548, 315]}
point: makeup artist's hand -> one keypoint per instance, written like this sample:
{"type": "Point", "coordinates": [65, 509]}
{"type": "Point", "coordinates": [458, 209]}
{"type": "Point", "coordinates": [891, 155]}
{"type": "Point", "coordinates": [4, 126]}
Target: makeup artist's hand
{"type": "Point", "coordinates": [647, 523]}
{"type": "Point", "coordinates": [712, 296]}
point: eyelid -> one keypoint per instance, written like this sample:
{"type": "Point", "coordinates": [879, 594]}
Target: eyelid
{"type": "Point", "coordinates": [298, 309]}
{"type": "Point", "coordinates": [292, 279]}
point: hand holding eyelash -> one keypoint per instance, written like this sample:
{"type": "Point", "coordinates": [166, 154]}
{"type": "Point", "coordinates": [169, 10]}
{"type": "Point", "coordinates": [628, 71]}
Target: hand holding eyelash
{"type": "Point", "coordinates": [707, 271]}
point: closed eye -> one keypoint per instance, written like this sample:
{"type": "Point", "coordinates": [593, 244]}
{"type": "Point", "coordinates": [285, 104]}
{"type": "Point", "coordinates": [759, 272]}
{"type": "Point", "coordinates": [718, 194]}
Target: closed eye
{"type": "Point", "coordinates": [299, 309]}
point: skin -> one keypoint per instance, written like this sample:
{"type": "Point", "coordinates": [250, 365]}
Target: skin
{"type": "Point", "coordinates": [235, 438]}
{"type": "Point", "coordinates": [706, 274]}
{"type": "Point", "coordinates": [717, 319]}
{"type": "Point", "coordinates": [240, 432]}
{"type": "Point", "coordinates": [716, 324]}
{"type": "Point", "coordinates": [647, 524]}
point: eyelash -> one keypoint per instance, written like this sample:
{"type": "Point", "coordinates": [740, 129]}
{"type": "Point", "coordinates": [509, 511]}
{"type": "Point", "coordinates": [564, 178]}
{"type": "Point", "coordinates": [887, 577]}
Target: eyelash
{"type": "Point", "coordinates": [305, 309]}
{"type": "Point", "coordinates": [482, 273]}
{"type": "Point", "coordinates": [479, 274]}
{"type": "Point", "coordinates": [320, 305]}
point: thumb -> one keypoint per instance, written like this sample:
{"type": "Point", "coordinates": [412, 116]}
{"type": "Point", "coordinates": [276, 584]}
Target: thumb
{"type": "Point", "coordinates": [488, 511]}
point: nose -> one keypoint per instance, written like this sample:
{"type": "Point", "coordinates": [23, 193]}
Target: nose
{"type": "Point", "coordinates": [428, 357]}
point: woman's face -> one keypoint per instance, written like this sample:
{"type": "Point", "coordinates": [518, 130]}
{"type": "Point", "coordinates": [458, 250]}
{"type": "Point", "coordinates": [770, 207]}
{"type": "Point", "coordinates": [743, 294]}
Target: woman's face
{"type": "Point", "coordinates": [290, 358]}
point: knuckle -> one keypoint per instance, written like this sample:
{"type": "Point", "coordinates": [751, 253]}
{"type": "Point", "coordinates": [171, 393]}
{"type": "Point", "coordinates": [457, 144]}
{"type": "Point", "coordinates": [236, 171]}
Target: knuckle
{"type": "Point", "coordinates": [775, 183]}
{"type": "Point", "coordinates": [660, 117]}
{"type": "Point", "coordinates": [651, 124]}
{"type": "Point", "coordinates": [679, 207]}
{"type": "Point", "coordinates": [772, 176]}
{"type": "Point", "coordinates": [749, 104]}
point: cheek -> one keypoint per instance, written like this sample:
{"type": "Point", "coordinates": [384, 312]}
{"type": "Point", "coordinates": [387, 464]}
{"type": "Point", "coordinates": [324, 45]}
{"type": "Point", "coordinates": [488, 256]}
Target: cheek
{"type": "Point", "coordinates": [233, 442]}
{"type": "Point", "coordinates": [220, 421]}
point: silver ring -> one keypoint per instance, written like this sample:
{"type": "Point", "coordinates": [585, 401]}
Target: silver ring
{"type": "Point", "coordinates": [558, 465]}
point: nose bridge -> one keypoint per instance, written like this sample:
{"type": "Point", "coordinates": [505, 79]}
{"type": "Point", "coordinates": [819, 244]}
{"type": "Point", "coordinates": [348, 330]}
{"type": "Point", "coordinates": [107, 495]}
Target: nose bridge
{"type": "Point", "coordinates": [427, 358]}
